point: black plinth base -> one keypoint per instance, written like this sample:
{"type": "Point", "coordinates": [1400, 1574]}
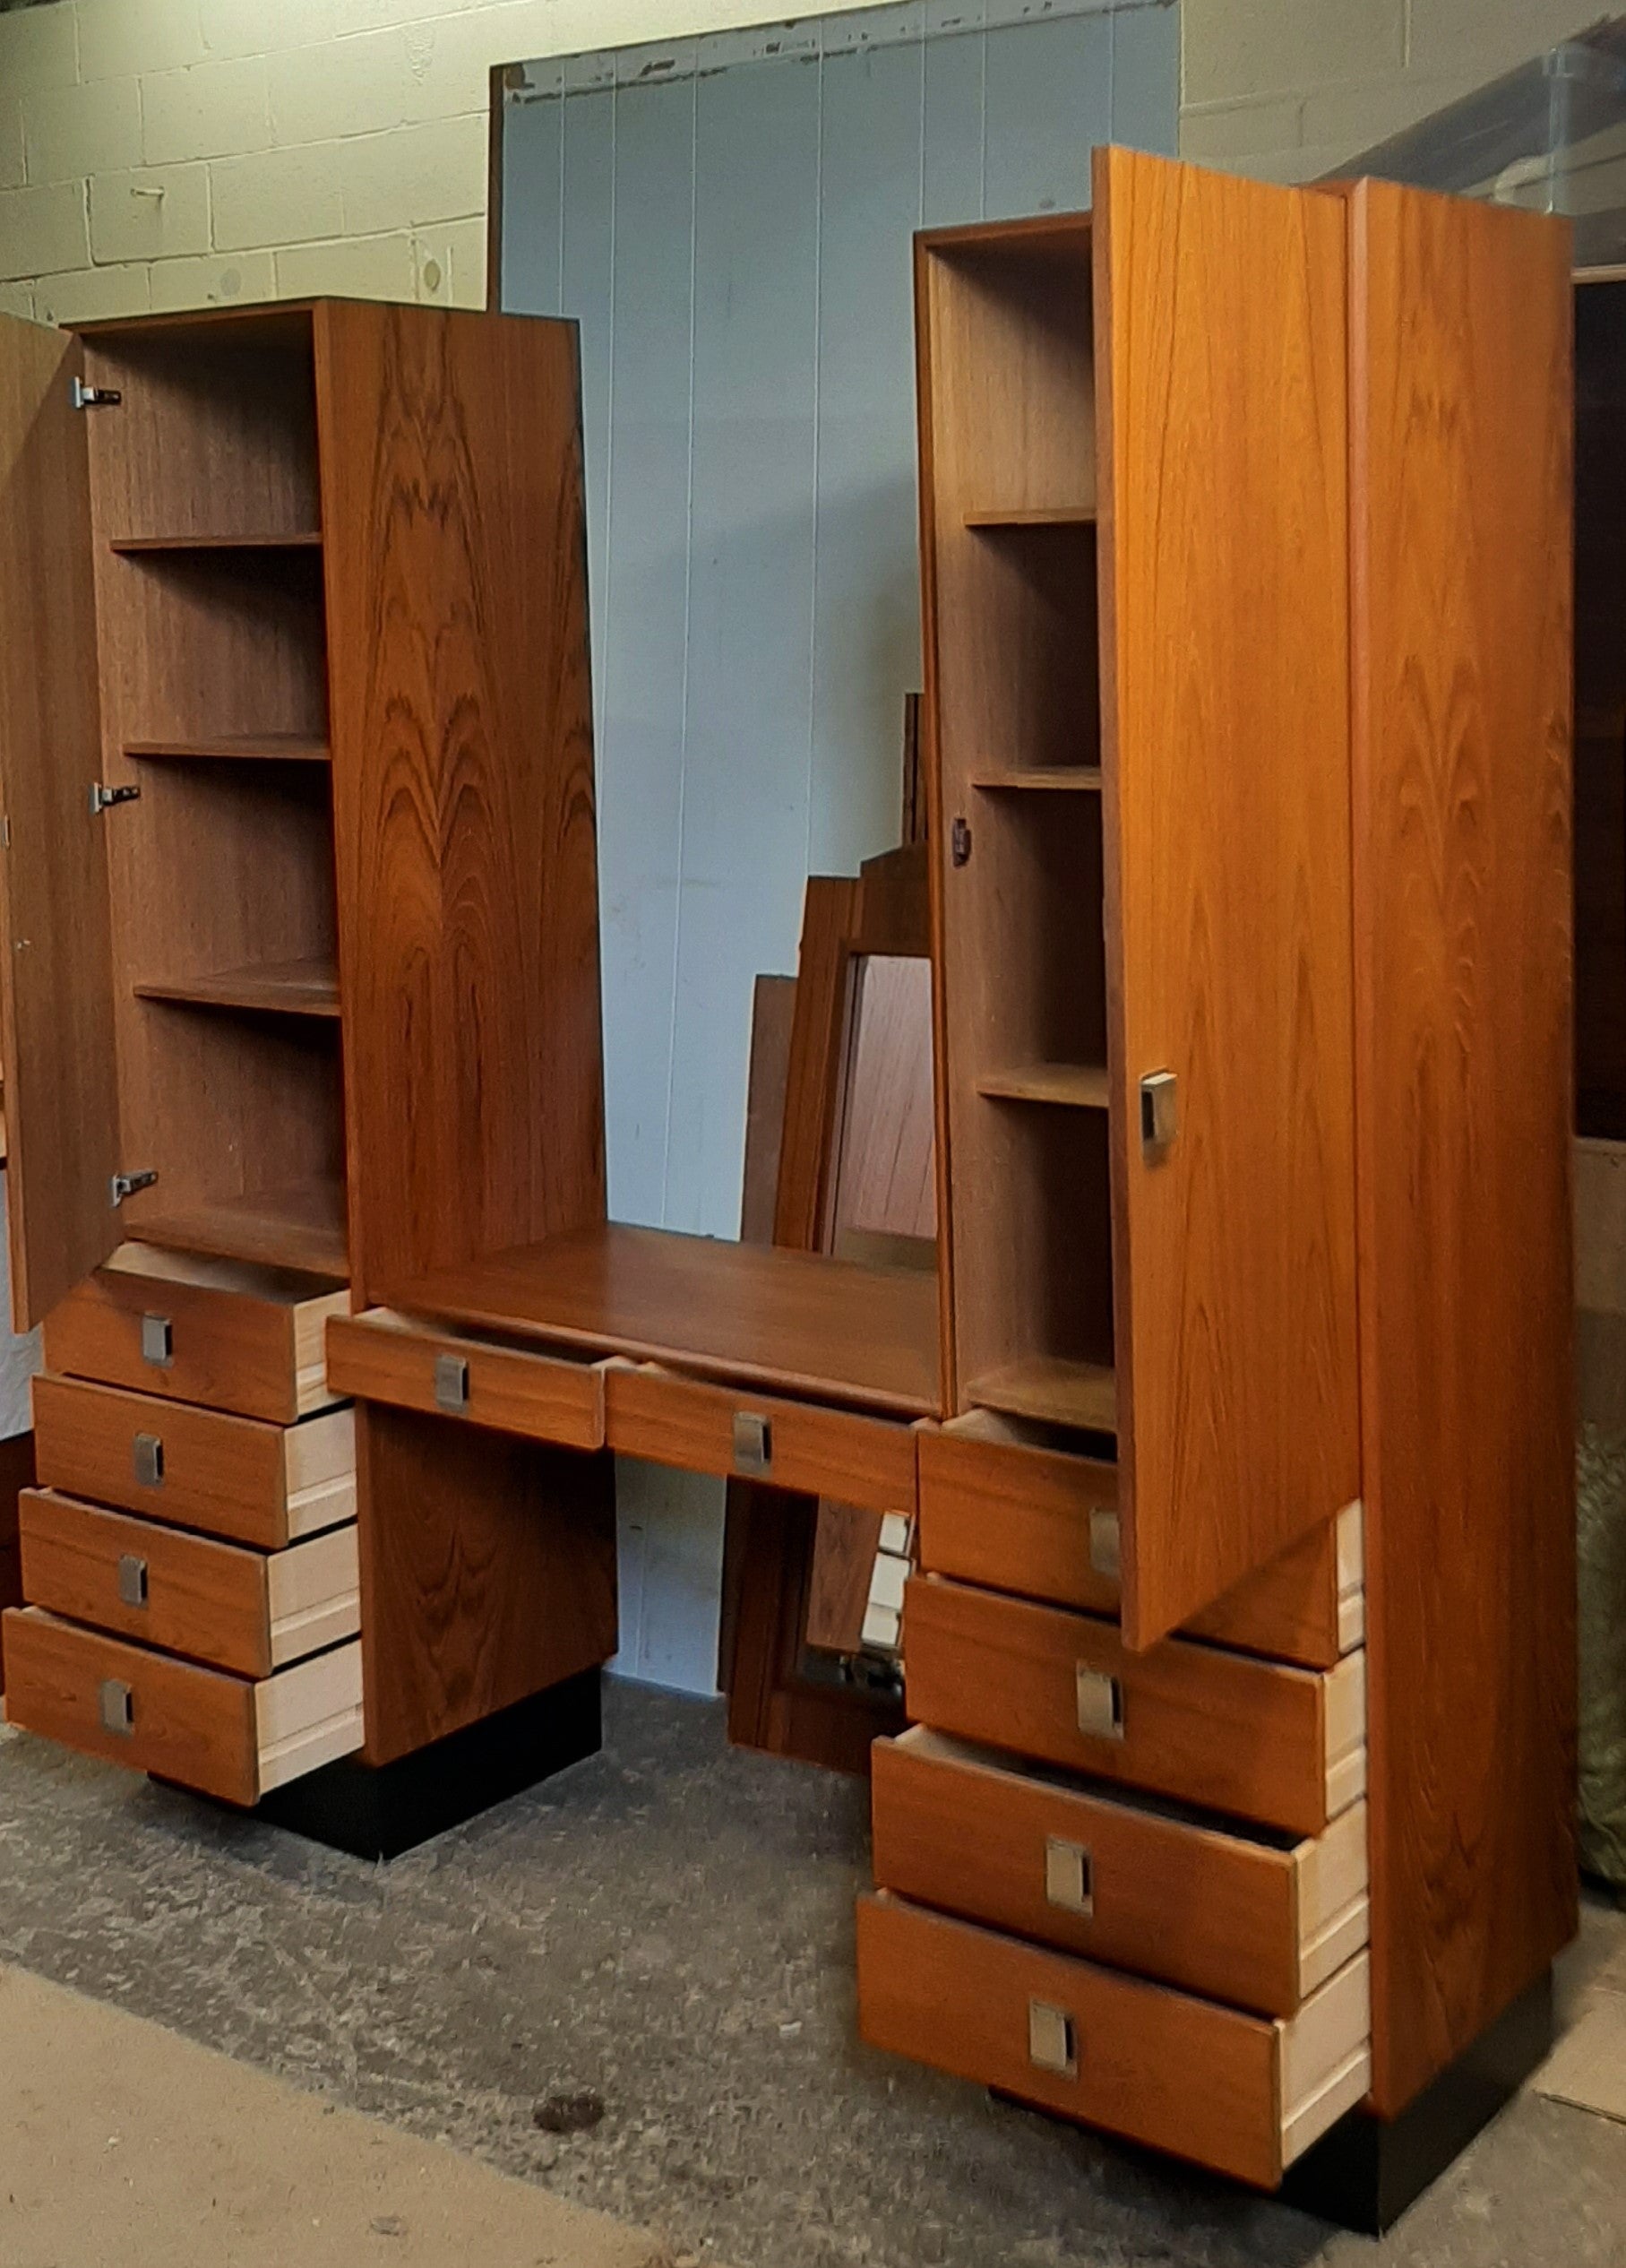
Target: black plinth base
{"type": "Point", "coordinates": [377, 1811]}
{"type": "Point", "coordinates": [1364, 2171]}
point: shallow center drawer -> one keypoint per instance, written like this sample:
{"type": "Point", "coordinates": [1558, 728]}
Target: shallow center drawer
{"type": "Point", "coordinates": [670, 1420]}
{"type": "Point", "coordinates": [1242, 2094]}
{"type": "Point", "coordinates": [216, 1331]}
{"type": "Point", "coordinates": [226, 1737]}
{"type": "Point", "coordinates": [251, 1611]}
{"type": "Point", "coordinates": [236, 1476]}
{"type": "Point", "coordinates": [1260, 1920]}
{"type": "Point", "coordinates": [1012, 1505]}
{"type": "Point", "coordinates": [1223, 1730]}
{"type": "Point", "coordinates": [381, 1355]}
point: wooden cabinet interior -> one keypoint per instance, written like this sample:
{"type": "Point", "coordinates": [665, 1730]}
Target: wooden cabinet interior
{"type": "Point", "coordinates": [1600, 713]}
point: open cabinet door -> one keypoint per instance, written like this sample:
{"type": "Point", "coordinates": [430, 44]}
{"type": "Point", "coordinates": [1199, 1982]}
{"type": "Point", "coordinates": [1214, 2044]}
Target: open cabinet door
{"type": "Point", "coordinates": [1222, 432]}
{"type": "Point", "coordinates": [55, 996]}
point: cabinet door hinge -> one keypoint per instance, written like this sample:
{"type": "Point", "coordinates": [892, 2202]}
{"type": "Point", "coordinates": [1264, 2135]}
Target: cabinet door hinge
{"type": "Point", "coordinates": [86, 397]}
{"type": "Point", "coordinates": [126, 1185]}
{"type": "Point", "coordinates": [102, 798]}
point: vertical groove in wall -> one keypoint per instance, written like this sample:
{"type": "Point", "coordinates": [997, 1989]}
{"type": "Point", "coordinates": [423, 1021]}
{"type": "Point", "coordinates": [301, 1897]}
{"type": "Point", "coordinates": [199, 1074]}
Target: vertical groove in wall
{"type": "Point", "coordinates": [818, 397]}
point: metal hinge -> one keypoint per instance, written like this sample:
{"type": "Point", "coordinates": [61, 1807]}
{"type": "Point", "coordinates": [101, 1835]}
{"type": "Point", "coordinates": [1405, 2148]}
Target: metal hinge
{"type": "Point", "coordinates": [960, 843]}
{"type": "Point", "coordinates": [126, 1185]}
{"type": "Point", "coordinates": [86, 397]}
{"type": "Point", "coordinates": [103, 798]}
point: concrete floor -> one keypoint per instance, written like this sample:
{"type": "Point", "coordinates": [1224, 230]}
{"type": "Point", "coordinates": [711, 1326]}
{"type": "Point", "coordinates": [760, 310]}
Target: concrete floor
{"type": "Point", "coordinates": [670, 1923]}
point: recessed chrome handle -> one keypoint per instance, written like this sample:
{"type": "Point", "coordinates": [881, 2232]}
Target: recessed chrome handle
{"type": "Point", "coordinates": [752, 1443]}
{"type": "Point", "coordinates": [147, 1456]}
{"type": "Point", "coordinates": [1105, 1554]}
{"type": "Point", "coordinates": [1068, 1876]}
{"type": "Point", "coordinates": [451, 1385]}
{"type": "Point", "coordinates": [1100, 1704]}
{"type": "Point", "coordinates": [132, 1580]}
{"type": "Point", "coordinates": [115, 1704]}
{"type": "Point", "coordinates": [1159, 1115]}
{"type": "Point", "coordinates": [1052, 2039]}
{"type": "Point", "coordinates": [157, 1340]}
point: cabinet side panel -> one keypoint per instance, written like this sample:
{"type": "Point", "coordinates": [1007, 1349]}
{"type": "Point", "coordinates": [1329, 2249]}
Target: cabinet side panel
{"type": "Point", "coordinates": [461, 726]}
{"type": "Point", "coordinates": [488, 1574]}
{"type": "Point", "coordinates": [1463, 417]}
{"type": "Point", "coordinates": [55, 996]}
{"type": "Point", "coordinates": [1221, 329]}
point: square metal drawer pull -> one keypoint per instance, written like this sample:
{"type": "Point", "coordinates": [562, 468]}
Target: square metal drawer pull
{"type": "Point", "coordinates": [451, 1385]}
{"type": "Point", "coordinates": [752, 1443]}
{"type": "Point", "coordinates": [157, 1339]}
{"type": "Point", "coordinates": [1053, 2039]}
{"type": "Point", "coordinates": [147, 1455]}
{"type": "Point", "coordinates": [132, 1580]}
{"type": "Point", "coordinates": [116, 1704]}
{"type": "Point", "coordinates": [1159, 1118]}
{"type": "Point", "coordinates": [1069, 1875]}
{"type": "Point", "coordinates": [1105, 1556]}
{"type": "Point", "coordinates": [1100, 1704]}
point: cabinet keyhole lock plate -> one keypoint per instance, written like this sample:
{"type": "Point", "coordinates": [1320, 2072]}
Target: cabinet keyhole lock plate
{"type": "Point", "coordinates": [1053, 2039]}
{"type": "Point", "coordinates": [157, 1339]}
{"type": "Point", "coordinates": [132, 1580]}
{"type": "Point", "coordinates": [1100, 1704]}
{"type": "Point", "coordinates": [451, 1385]}
{"type": "Point", "coordinates": [116, 1706]}
{"type": "Point", "coordinates": [752, 1443]}
{"type": "Point", "coordinates": [147, 1456]}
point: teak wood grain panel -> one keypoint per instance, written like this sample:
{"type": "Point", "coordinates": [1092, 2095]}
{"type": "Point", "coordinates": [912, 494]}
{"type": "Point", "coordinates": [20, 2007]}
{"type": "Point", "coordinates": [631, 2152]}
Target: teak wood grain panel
{"type": "Point", "coordinates": [240, 1339]}
{"type": "Point", "coordinates": [487, 1572]}
{"type": "Point", "coordinates": [383, 1357]}
{"type": "Point", "coordinates": [1461, 359]}
{"type": "Point", "coordinates": [241, 1610]}
{"type": "Point", "coordinates": [461, 728]}
{"type": "Point", "coordinates": [670, 1420]}
{"type": "Point", "coordinates": [1181, 1897]}
{"type": "Point", "coordinates": [55, 1006]}
{"type": "Point", "coordinates": [1232, 2091]}
{"type": "Point", "coordinates": [1220, 1729]}
{"type": "Point", "coordinates": [796, 1322]}
{"type": "Point", "coordinates": [1014, 1514]}
{"type": "Point", "coordinates": [1222, 349]}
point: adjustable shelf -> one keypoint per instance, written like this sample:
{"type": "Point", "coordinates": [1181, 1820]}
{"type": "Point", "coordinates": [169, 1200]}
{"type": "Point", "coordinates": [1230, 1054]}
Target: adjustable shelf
{"type": "Point", "coordinates": [1060, 516]}
{"type": "Point", "coordinates": [1083, 1395]}
{"type": "Point", "coordinates": [304, 540]}
{"type": "Point", "coordinates": [1080, 1086]}
{"type": "Point", "coordinates": [286, 988]}
{"type": "Point", "coordinates": [1065, 779]}
{"type": "Point", "coordinates": [238, 747]}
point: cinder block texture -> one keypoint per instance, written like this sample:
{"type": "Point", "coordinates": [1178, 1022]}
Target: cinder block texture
{"type": "Point", "coordinates": [155, 213]}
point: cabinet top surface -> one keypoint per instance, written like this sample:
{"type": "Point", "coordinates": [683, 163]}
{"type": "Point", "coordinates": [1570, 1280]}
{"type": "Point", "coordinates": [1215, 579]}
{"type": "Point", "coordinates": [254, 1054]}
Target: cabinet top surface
{"type": "Point", "coordinates": [795, 1322]}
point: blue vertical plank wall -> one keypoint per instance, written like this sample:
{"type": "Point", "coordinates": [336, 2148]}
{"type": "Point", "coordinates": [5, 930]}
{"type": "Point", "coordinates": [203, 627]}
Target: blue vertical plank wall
{"type": "Point", "coordinates": [729, 219]}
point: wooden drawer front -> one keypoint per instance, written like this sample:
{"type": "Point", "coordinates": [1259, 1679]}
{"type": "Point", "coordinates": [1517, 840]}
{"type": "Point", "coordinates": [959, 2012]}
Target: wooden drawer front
{"type": "Point", "coordinates": [232, 1337]}
{"type": "Point", "coordinates": [672, 1420]}
{"type": "Point", "coordinates": [223, 1736]}
{"type": "Point", "coordinates": [1243, 2094]}
{"type": "Point", "coordinates": [234, 1477]}
{"type": "Point", "coordinates": [1259, 1922]}
{"type": "Point", "coordinates": [1223, 1731]}
{"type": "Point", "coordinates": [999, 1508]}
{"type": "Point", "coordinates": [383, 1357]}
{"type": "Point", "coordinates": [249, 1611]}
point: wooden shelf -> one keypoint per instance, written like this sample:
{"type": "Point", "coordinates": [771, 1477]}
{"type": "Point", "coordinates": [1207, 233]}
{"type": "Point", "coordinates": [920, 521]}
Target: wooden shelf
{"type": "Point", "coordinates": [794, 1322]}
{"type": "Point", "coordinates": [299, 1226]}
{"type": "Point", "coordinates": [1059, 515]}
{"type": "Point", "coordinates": [1082, 1395]}
{"type": "Point", "coordinates": [286, 988]}
{"type": "Point", "coordinates": [307, 541]}
{"type": "Point", "coordinates": [1081, 1086]}
{"type": "Point", "coordinates": [239, 747]}
{"type": "Point", "coordinates": [1068, 778]}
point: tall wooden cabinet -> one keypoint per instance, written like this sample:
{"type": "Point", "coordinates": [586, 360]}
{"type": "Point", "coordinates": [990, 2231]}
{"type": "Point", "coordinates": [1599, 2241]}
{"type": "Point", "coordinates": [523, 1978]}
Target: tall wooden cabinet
{"type": "Point", "coordinates": [295, 659]}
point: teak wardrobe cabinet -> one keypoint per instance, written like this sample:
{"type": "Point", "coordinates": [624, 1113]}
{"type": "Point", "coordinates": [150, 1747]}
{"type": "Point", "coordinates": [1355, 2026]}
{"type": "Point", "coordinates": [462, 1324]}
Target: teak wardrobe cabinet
{"type": "Point", "coordinates": [1246, 522]}
{"type": "Point", "coordinates": [301, 990]}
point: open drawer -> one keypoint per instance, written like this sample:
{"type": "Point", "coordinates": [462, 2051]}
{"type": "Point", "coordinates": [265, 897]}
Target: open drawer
{"type": "Point", "coordinates": [1243, 2094]}
{"type": "Point", "coordinates": [1252, 1917]}
{"type": "Point", "coordinates": [380, 1356]}
{"type": "Point", "coordinates": [671, 1419]}
{"type": "Point", "coordinates": [233, 1737]}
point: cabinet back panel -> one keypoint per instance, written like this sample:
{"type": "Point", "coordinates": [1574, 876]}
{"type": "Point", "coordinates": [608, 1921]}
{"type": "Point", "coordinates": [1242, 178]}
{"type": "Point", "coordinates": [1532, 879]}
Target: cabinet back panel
{"type": "Point", "coordinates": [215, 433]}
{"type": "Point", "coordinates": [200, 646]}
{"type": "Point", "coordinates": [1600, 694]}
{"type": "Point", "coordinates": [1012, 398]}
